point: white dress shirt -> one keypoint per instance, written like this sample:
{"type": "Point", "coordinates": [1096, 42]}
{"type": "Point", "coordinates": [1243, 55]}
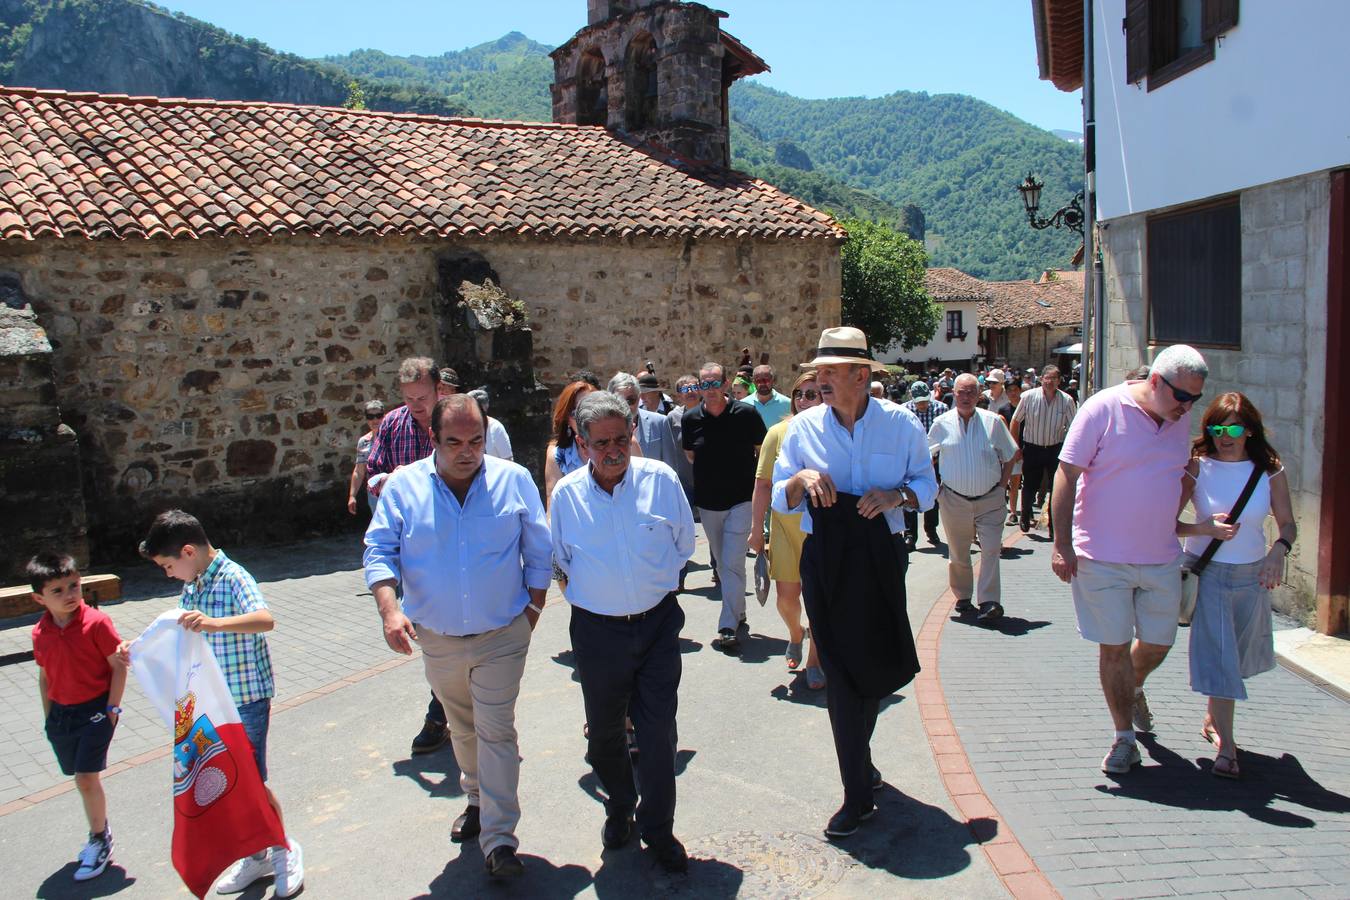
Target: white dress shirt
{"type": "Point", "coordinates": [464, 568]}
{"type": "Point", "coordinates": [498, 441]}
{"type": "Point", "coordinates": [622, 552]}
{"type": "Point", "coordinates": [887, 450]}
{"type": "Point", "coordinates": [971, 453]}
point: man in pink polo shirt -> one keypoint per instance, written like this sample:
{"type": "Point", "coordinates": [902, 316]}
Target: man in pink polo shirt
{"type": "Point", "coordinates": [1119, 484]}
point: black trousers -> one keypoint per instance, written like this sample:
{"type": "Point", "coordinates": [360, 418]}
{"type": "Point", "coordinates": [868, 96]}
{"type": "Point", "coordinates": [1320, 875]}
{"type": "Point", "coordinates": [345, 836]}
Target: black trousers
{"type": "Point", "coordinates": [632, 669]}
{"type": "Point", "coordinates": [930, 523]}
{"type": "Point", "coordinates": [1038, 462]}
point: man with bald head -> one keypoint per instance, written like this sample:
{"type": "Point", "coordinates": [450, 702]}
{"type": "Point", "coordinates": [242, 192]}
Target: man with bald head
{"type": "Point", "coordinates": [465, 536]}
{"type": "Point", "coordinates": [975, 452]}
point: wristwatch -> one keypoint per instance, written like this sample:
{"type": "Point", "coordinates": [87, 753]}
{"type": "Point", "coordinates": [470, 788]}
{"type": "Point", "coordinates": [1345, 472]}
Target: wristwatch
{"type": "Point", "coordinates": [115, 709]}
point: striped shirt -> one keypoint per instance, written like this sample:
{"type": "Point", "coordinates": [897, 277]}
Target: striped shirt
{"type": "Point", "coordinates": [1044, 422]}
{"type": "Point", "coordinates": [226, 589]}
{"type": "Point", "coordinates": [971, 454]}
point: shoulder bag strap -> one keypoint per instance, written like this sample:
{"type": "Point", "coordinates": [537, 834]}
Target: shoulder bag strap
{"type": "Point", "coordinates": [1232, 517]}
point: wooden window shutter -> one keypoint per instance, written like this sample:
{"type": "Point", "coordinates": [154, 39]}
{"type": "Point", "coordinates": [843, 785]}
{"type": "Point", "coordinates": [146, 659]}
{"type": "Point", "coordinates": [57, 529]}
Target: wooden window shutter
{"type": "Point", "coordinates": [1218, 16]}
{"type": "Point", "coordinates": [1136, 40]}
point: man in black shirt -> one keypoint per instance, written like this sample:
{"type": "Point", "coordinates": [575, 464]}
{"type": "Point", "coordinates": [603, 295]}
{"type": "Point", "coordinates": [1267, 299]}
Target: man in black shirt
{"type": "Point", "coordinates": [721, 437]}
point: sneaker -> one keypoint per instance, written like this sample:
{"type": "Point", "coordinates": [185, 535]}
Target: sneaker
{"type": "Point", "coordinates": [94, 857]}
{"type": "Point", "coordinates": [726, 641]}
{"type": "Point", "coordinates": [289, 867]}
{"type": "Point", "coordinates": [245, 872]}
{"type": "Point", "coordinates": [1142, 715]}
{"type": "Point", "coordinates": [431, 738]}
{"type": "Point", "coordinates": [1124, 756]}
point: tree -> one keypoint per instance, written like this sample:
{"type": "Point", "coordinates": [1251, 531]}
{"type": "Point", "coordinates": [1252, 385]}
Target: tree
{"type": "Point", "coordinates": [356, 95]}
{"type": "Point", "coordinates": [883, 286]}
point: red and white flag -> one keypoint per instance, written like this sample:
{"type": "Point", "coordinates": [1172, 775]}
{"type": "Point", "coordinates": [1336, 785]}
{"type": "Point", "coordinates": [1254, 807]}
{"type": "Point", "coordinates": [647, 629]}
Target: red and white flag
{"type": "Point", "coordinates": [220, 807]}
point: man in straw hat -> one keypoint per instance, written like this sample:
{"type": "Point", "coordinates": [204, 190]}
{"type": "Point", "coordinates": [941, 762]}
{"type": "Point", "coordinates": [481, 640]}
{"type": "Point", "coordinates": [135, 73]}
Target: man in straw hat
{"type": "Point", "coordinates": [852, 466]}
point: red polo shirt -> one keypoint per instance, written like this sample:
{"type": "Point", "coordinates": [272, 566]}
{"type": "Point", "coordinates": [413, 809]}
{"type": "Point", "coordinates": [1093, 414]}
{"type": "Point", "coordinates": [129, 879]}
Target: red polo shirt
{"type": "Point", "coordinates": [75, 658]}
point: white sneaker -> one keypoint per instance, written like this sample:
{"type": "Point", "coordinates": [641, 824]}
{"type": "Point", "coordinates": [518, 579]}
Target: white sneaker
{"type": "Point", "coordinates": [1142, 715]}
{"type": "Point", "coordinates": [245, 872]}
{"type": "Point", "coordinates": [289, 866]}
{"type": "Point", "coordinates": [94, 858]}
{"type": "Point", "coordinates": [1123, 756]}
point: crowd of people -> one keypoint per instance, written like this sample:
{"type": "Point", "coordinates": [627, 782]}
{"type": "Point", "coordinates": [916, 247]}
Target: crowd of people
{"type": "Point", "coordinates": [826, 483]}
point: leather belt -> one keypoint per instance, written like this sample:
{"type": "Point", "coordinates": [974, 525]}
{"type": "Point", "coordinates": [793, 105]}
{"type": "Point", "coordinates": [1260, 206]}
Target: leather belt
{"type": "Point", "coordinates": [631, 617]}
{"type": "Point", "coordinates": [968, 497]}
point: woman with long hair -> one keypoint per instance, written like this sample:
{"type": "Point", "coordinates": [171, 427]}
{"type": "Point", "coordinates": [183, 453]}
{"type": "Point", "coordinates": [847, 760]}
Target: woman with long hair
{"type": "Point", "coordinates": [785, 537]}
{"type": "Point", "coordinates": [562, 454]}
{"type": "Point", "coordinates": [1231, 637]}
{"type": "Point", "coordinates": [1012, 389]}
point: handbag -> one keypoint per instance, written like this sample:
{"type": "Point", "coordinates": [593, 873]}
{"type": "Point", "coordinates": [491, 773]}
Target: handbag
{"type": "Point", "coordinates": [1190, 575]}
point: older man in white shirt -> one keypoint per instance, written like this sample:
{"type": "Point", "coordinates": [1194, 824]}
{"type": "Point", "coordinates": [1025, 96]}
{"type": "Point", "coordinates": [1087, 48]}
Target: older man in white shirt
{"type": "Point", "coordinates": [622, 530]}
{"type": "Point", "coordinates": [975, 452]}
{"type": "Point", "coordinates": [858, 462]}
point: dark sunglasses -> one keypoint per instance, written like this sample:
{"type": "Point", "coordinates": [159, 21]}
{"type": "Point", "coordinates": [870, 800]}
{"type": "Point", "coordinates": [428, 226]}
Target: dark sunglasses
{"type": "Point", "coordinates": [1233, 431]}
{"type": "Point", "coordinates": [1180, 395]}
{"type": "Point", "coordinates": [372, 418]}
{"type": "Point", "coordinates": [688, 389]}
{"type": "Point", "coordinates": [808, 394]}
{"type": "Point", "coordinates": [710, 385]}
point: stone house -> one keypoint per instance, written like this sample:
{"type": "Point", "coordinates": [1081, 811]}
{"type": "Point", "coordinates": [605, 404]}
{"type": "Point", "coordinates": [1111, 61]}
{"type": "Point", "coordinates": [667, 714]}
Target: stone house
{"type": "Point", "coordinates": [962, 299]}
{"type": "Point", "coordinates": [223, 284]}
{"type": "Point", "coordinates": [1026, 322]}
{"type": "Point", "coordinates": [1223, 197]}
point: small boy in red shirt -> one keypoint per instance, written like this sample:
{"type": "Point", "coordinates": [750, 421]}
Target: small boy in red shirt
{"type": "Point", "coordinates": [81, 679]}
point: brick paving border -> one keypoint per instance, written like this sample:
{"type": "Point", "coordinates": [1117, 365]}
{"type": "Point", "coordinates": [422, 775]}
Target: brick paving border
{"type": "Point", "coordinates": [1010, 861]}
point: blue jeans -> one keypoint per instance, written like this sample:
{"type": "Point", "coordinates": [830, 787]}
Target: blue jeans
{"type": "Point", "coordinates": [256, 717]}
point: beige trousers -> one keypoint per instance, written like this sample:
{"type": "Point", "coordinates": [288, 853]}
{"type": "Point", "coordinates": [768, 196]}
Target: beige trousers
{"type": "Point", "coordinates": [963, 520]}
{"type": "Point", "coordinates": [477, 680]}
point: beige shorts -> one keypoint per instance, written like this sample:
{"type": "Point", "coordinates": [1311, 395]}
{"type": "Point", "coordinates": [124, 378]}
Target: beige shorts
{"type": "Point", "coordinates": [1118, 602]}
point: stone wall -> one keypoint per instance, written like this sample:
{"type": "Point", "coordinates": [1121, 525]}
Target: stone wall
{"type": "Point", "coordinates": [1280, 365]}
{"type": "Point", "coordinates": [229, 375]}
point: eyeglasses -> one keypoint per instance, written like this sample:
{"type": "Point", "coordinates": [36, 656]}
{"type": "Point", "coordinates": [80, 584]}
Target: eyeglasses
{"type": "Point", "coordinates": [709, 385]}
{"type": "Point", "coordinates": [1233, 431]}
{"type": "Point", "coordinates": [688, 389]}
{"type": "Point", "coordinates": [373, 418]}
{"type": "Point", "coordinates": [808, 394]}
{"type": "Point", "coordinates": [1180, 395]}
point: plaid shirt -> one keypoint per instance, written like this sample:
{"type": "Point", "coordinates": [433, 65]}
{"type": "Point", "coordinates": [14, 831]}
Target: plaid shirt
{"type": "Point", "coordinates": [399, 441]}
{"type": "Point", "coordinates": [226, 589]}
{"type": "Point", "coordinates": [926, 416]}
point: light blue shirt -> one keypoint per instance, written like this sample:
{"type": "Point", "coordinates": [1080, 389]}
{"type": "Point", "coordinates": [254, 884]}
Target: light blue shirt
{"type": "Point", "coordinates": [888, 449]}
{"type": "Point", "coordinates": [464, 569]}
{"type": "Point", "coordinates": [622, 552]}
{"type": "Point", "coordinates": [656, 438]}
{"type": "Point", "coordinates": [772, 411]}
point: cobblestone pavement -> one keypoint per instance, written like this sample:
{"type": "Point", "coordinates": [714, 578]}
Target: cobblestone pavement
{"type": "Point", "coordinates": [1027, 705]}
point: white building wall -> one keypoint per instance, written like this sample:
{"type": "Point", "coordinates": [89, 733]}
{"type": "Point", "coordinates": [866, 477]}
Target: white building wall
{"type": "Point", "coordinates": [939, 347]}
{"type": "Point", "coordinates": [1271, 105]}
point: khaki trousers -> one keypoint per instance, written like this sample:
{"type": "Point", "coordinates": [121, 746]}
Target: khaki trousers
{"type": "Point", "coordinates": [963, 519]}
{"type": "Point", "coordinates": [477, 679]}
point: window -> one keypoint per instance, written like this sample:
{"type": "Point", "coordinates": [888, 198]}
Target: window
{"type": "Point", "coordinates": [1165, 39]}
{"type": "Point", "coordinates": [640, 84]}
{"type": "Point", "coordinates": [1194, 281]}
{"type": "Point", "coordinates": [954, 330]}
{"type": "Point", "coordinates": [592, 90]}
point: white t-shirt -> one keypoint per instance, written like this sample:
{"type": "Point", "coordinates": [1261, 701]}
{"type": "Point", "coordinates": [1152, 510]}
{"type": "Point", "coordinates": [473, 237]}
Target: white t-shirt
{"type": "Point", "coordinates": [1217, 488]}
{"type": "Point", "coordinates": [498, 442]}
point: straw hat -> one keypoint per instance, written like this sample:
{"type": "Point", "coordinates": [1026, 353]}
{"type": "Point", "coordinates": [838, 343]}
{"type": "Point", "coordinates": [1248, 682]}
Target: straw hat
{"type": "Point", "coordinates": [844, 347]}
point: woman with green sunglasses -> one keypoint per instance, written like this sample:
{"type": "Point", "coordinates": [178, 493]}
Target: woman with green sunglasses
{"type": "Point", "coordinates": [1231, 636]}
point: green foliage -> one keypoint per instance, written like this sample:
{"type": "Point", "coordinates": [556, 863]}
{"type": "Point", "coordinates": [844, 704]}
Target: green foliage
{"type": "Point", "coordinates": [883, 286]}
{"type": "Point", "coordinates": [356, 95]}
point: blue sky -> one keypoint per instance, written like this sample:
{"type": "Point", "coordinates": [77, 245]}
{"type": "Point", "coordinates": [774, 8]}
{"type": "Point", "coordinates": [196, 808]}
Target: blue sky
{"type": "Point", "coordinates": [867, 48]}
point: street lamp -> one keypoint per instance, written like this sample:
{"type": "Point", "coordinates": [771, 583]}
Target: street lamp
{"type": "Point", "coordinates": [1068, 216]}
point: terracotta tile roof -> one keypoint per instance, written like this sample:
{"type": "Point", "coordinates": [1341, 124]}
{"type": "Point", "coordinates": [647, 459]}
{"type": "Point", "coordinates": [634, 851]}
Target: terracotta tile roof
{"type": "Point", "coordinates": [1017, 304]}
{"type": "Point", "coordinates": [953, 284]}
{"type": "Point", "coordinates": [87, 165]}
{"type": "Point", "coordinates": [1059, 41]}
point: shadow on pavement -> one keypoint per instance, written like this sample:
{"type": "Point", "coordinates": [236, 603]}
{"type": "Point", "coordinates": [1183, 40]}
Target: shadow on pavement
{"type": "Point", "coordinates": [631, 872]}
{"type": "Point", "coordinates": [568, 658]}
{"type": "Point", "coordinates": [465, 876]}
{"type": "Point", "coordinates": [591, 787]}
{"type": "Point", "coordinates": [759, 648]}
{"type": "Point", "coordinates": [62, 883]}
{"type": "Point", "coordinates": [1265, 779]}
{"type": "Point", "coordinates": [796, 691]}
{"type": "Point", "coordinates": [442, 763]}
{"type": "Point", "coordinates": [1015, 552]}
{"type": "Point", "coordinates": [910, 839]}
{"type": "Point", "coordinates": [1012, 626]}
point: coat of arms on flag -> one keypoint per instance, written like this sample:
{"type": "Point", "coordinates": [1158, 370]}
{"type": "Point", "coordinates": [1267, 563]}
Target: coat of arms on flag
{"type": "Point", "coordinates": [203, 770]}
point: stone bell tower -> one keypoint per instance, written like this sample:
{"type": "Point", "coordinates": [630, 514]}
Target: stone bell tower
{"type": "Point", "coordinates": [657, 70]}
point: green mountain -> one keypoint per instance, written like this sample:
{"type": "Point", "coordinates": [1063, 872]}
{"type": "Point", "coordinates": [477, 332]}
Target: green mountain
{"type": "Point", "coordinates": [131, 47]}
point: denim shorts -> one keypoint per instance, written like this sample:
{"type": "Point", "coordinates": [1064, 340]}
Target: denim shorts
{"type": "Point", "coordinates": [256, 717]}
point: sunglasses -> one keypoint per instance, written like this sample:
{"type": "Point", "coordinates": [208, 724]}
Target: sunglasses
{"type": "Point", "coordinates": [688, 389]}
{"type": "Point", "coordinates": [1233, 431]}
{"type": "Point", "coordinates": [808, 394]}
{"type": "Point", "coordinates": [1180, 395]}
{"type": "Point", "coordinates": [709, 385]}
{"type": "Point", "coordinates": [372, 418]}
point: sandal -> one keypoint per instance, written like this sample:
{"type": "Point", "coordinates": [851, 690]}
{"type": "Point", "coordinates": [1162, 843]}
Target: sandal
{"type": "Point", "coordinates": [815, 677]}
{"type": "Point", "coordinates": [794, 655]}
{"type": "Point", "coordinates": [1210, 733]}
{"type": "Point", "coordinates": [1226, 767]}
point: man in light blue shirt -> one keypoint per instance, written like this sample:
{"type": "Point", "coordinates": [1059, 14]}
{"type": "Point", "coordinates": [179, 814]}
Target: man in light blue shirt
{"type": "Point", "coordinates": [859, 462]}
{"type": "Point", "coordinates": [772, 406]}
{"type": "Point", "coordinates": [466, 537]}
{"type": "Point", "coordinates": [622, 530]}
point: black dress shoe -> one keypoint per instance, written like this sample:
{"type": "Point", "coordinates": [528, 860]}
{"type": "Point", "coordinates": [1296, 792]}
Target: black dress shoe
{"type": "Point", "coordinates": [842, 823]}
{"type": "Point", "coordinates": [877, 781]}
{"type": "Point", "coordinates": [431, 738]}
{"type": "Point", "coordinates": [964, 606]}
{"type": "Point", "coordinates": [1026, 526]}
{"type": "Point", "coordinates": [466, 826]}
{"type": "Point", "coordinates": [671, 856]}
{"type": "Point", "coordinates": [990, 612]}
{"type": "Point", "coordinates": [726, 641]}
{"type": "Point", "coordinates": [502, 862]}
{"type": "Point", "coordinates": [617, 831]}
{"type": "Point", "coordinates": [933, 538]}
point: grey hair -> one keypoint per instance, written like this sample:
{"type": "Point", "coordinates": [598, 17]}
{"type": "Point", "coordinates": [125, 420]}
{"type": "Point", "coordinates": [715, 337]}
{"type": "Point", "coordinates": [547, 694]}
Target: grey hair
{"type": "Point", "coordinates": [415, 368]}
{"type": "Point", "coordinates": [721, 370]}
{"type": "Point", "coordinates": [686, 379]}
{"type": "Point", "coordinates": [1178, 358]}
{"type": "Point", "coordinates": [599, 405]}
{"type": "Point", "coordinates": [622, 381]}
{"type": "Point", "coordinates": [481, 396]}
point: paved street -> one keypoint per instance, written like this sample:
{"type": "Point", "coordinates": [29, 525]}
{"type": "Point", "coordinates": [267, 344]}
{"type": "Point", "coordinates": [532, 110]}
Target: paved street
{"type": "Point", "coordinates": [757, 777]}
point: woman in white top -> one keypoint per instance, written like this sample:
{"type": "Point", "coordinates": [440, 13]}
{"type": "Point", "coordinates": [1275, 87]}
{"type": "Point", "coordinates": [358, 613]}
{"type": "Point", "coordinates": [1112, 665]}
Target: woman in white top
{"type": "Point", "coordinates": [1231, 635]}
